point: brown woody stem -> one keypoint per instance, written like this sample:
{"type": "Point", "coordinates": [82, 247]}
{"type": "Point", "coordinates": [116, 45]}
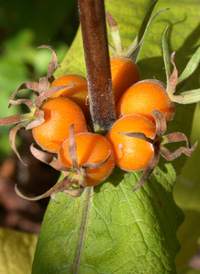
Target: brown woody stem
{"type": "Point", "coordinates": [101, 98]}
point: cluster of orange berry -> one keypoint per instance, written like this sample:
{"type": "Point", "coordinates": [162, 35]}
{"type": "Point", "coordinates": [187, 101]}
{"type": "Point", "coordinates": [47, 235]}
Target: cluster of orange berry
{"type": "Point", "coordinates": [59, 119]}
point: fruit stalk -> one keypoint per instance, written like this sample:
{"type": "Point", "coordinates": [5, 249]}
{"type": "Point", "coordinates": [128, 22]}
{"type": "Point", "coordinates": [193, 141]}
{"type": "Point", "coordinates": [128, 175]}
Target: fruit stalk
{"type": "Point", "coordinates": [95, 43]}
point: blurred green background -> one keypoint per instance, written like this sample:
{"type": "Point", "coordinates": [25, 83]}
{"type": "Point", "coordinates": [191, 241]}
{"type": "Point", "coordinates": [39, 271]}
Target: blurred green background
{"type": "Point", "coordinates": [25, 25]}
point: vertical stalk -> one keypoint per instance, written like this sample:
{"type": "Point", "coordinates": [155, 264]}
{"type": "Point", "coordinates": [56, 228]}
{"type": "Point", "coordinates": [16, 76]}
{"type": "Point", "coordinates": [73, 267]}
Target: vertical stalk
{"type": "Point", "coordinates": [101, 98]}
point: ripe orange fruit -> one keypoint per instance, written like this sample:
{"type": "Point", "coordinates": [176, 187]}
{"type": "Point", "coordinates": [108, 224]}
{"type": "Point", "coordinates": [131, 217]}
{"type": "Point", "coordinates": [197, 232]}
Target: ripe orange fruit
{"type": "Point", "coordinates": [131, 153]}
{"type": "Point", "coordinates": [91, 148]}
{"type": "Point", "coordinates": [60, 113]}
{"type": "Point", "coordinates": [124, 74]}
{"type": "Point", "coordinates": [78, 93]}
{"type": "Point", "coordinates": [145, 96]}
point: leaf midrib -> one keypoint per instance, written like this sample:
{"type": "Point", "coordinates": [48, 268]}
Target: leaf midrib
{"type": "Point", "coordinates": [81, 238]}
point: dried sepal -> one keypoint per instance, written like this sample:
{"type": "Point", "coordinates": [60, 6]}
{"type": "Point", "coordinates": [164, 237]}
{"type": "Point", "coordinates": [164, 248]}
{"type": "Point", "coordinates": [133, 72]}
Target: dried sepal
{"type": "Point", "coordinates": [36, 116]}
{"type": "Point", "coordinates": [173, 78]}
{"type": "Point", "coordinates": [36, 119]}
{"type": "Point", "coordinates": [34, 123]}
{"type": "Point", "coordinates": [23, 121]}
{"type": "Point", "coordinates": [173, 138]}
{"type": "Point", "coordinates": [170, 138]}
{"type": "Point", "coordinates": [26, 121]}
{"type": "Point", "coordinates": [161, 125]}
{"type": "Point", "coordinates": [74, 192]}
{"type": "Point", "coordinates": [74, 173]}
{"type": "Point", "coordinates": [37, 87]}
{"type": "Point", "coordinates": [25, 85]}
{"type": "Point", "coordinates": [59, 187]}
{"type": "Point", "coordinates": [53, 64]}
{"type": "Point", "coordinates": [170, 156]}
{"type": "Point", "coordinates": [14, 119]}
{"type": "Point", "coordinates": [186, 97]}
{"type": "Point", "coordinates": [138, 135]}
{"type": "Point", "coordinates": [148, 169]}
{"type": "Point", "coordinates": [72, 147]}
{"type": "Point", "coordinates": [26, 102]}
{"type": "Point", "coordinates": [80, 172]}
{"type": "Point", "coordinates": [12, 137]}
{"type": "Point", "coordinates": [159, 143]}
{"type": "Point", "coordinates": [43, 84]}
{"type": "Point", "coordinates": [63, 185]}
{"type": "Point", "coordinates": [49, 92]}
{"type": "Point", "coordinates": [42, 91]}
{"type": "Point", "coordinates": [95, 165]}
{"type": "Point", "coordinates": [48, 158]}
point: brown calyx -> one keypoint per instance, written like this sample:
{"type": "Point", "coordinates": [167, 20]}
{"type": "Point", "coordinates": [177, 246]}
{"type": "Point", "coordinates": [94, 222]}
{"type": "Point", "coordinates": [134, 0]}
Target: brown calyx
{"type": "Point", "coordinates": [75, 174]}
{"type": "Point", "coordinates": [36, 116]}
{"type": "Point", "coordinates": [159, 143]}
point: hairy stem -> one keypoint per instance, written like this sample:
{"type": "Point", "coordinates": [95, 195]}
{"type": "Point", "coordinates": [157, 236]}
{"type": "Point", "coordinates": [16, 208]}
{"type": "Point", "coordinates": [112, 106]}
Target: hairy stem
{"type": "Point", "coordinates": [101, 98]}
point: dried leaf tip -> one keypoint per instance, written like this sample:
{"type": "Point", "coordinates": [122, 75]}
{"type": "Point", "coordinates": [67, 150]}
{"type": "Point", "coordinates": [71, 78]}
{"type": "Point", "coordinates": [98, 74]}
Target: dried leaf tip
{"type": "Point", "coordinates": [115, 35]}
{"type": "Point", "coordinates": [186, 97]}
{"type": "Point", "coordinates": [53, 64]}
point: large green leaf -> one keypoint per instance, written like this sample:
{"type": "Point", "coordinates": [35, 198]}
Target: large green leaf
{"type": "Point", "coordinates": [17, 250]}
{"type": "Point", "coordinates": [112, 230]}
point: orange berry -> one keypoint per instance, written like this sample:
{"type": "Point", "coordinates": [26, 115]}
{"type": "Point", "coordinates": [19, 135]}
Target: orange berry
{"type": "Point", "coordinates": [145, 96]}
{"type": "Point", "coordinates": [60, 113]}
{"type": "Point", "coordinates": [124, 74]}
{"type": "Point", "coordinates": [77, 94]}
{"type": "Point", "coordinates": [131, 153]}
{"type": "Point", "coordinates": [91, 148]}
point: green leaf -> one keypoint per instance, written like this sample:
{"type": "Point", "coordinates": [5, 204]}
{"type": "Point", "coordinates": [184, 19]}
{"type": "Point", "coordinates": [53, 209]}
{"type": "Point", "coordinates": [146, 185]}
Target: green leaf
{"type": "Point", "coordinates": [17, 250]}
{"type": "Point", "coordinates": [112, 230]}
{"type": "Point", "coordinates": [134, 50]}
{"type": "Point", "coordinates": [187, 97]}
{"type": "Point", "coordinates": [191, 66]}
{"type": "Point", "coordinates": [166, 53]}
{"type": "Point", "coordinates": [74, 61]}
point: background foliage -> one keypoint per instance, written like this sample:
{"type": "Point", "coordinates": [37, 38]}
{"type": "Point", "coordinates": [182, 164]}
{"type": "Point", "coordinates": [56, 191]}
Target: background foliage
{"type": "Point", "coordinates": [24, 26]}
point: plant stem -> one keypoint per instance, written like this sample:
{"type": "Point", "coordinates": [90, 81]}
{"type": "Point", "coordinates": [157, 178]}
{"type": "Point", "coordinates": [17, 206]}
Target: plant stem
{"type": "Point", "coordinates": [95, 43]}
